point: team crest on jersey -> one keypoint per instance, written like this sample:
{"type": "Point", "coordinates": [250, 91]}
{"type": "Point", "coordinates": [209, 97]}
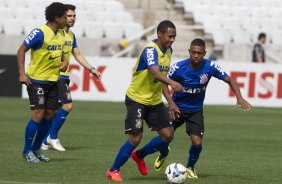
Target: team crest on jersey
{"type": "Point", "coordinates": [204, 78]}
{"type": "Point", "coordinates": [138, 123]}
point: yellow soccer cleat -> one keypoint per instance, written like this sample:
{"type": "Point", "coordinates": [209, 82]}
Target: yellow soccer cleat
{"type": "Point", "coordinates": [191, 173]}
{"type": "Point", "coordinates": [159, 162]}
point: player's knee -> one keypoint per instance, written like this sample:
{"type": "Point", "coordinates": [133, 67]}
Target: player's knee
{"type": "Point", "coordinates": [167, 134]}
{"type": "Point", "coordinates": [49, 115]}
{"type": "Point", "coordinates": [135, 139]}
{"type": "Point", "coordinates": [68, 107]}
{"type": "Point", "coordinates": [38, 114]}
{"type": "Point", "coordinates": [196, 142]}
{"type": "Point", "coordinates": [168, 137]}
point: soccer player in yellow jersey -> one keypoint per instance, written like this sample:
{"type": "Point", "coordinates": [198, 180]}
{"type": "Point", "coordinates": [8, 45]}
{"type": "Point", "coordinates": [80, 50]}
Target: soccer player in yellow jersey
{"type": "Point", "coordinates": [144, 102]}
{"type": "Point", "coordinates": [47, 60]}
{"type": "Point", "coordinates": [65, 99]}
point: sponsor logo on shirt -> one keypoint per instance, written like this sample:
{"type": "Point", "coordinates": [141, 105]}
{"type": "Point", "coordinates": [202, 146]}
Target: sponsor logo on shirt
{"type": "Point", "coordinates": [172, 69]}
{"type": "Point", "coordinates": [150, 56]}
{"type": "Point", "coordinates": [194, 90]}
{"type": "Point", "coordinates": [54, 47]}
{"type": "Point", "coordinates": [31, 35]}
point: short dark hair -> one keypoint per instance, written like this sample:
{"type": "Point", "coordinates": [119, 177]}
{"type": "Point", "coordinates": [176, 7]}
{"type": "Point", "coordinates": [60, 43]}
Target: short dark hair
{"type": "Point", "coordinates": [70, 7]}
{"type": "Point", "coordinates": [54, 10]}
{"type": "Point", "coordinates": [261, 35]}
{"type": "Point", "coordinates": [162, 27]}
{"type": "Point", "coordinates": [198, 42]}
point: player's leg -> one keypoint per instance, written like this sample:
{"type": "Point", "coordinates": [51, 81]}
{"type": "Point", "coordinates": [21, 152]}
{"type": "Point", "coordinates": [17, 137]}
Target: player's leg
{"type": "Point", "coordinates": [195, 129]}
{"type": "Point", "coordinates": [51, 105]}
{"type": "Point", "coordinates": [133, 127]}
{"type": "Point", "coordinates": [37, 101]}
{"type": "Point", "coordinates": [61, 115]}
{"type": "Point", "coordinates": [159, 162]}
{"type": "Point", "coordinates": [157, 119]}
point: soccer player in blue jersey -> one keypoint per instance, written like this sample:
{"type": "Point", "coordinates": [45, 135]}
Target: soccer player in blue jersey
{"type": "Point", "coordinates": [70, 48]}
{"type": "Point", "coordinates": [144, 102]}
{"type": "Point", "coordinates": [194, 74]}
{"type": "Point", "coordinates": [47, 60]}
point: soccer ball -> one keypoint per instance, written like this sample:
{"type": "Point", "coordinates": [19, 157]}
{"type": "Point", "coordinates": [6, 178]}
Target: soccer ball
{"type": "Point", "coordinates": [175, 173]}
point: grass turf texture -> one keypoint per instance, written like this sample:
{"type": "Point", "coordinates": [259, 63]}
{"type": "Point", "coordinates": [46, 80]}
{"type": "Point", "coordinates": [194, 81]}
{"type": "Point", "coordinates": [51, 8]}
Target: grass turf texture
{"type": "Point", "coordinates": [239, 147]}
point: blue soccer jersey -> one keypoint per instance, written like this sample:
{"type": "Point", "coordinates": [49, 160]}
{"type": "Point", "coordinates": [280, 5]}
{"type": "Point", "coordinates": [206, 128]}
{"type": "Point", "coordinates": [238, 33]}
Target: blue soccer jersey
{"type": "Point", "coordinates": [194, 82]}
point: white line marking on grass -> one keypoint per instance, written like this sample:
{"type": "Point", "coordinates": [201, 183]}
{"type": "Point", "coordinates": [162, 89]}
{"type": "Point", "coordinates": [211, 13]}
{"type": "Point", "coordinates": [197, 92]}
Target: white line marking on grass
{"type": "Point", "coordinates": [20, 182]}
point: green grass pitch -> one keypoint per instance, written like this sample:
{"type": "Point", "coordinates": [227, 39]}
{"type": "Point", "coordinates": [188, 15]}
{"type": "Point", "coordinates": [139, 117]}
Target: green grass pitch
{"type": "Point", "coordinates": [239, 147]}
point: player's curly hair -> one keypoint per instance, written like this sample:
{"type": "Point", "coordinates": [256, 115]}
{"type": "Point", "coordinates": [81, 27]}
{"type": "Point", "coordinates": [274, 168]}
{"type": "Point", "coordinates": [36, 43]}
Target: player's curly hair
{"type": "Point", "coordinates": [54, 10]}
{"type": "Point", "coordinates": [164, 25]}
{"type": "Point", "coordinates": [198, 42]}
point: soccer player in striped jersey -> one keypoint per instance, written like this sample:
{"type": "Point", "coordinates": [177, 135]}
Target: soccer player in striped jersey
{"type": "Point", "coordinates": [144, 102]}
{"type": "Point", "coordinates": [41, 79]}
{"type": "Point", "coordinates": [194, 74]}
{"type": "Point", "coordinates": [70, 48]}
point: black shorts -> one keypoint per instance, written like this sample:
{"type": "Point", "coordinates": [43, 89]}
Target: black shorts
{"type": "Point", "coordinates": [43, 96]}
{"type": "Point", "coordinates": [194, 122]}
{"type": "Point", "coordinates": [64, 92]}
{"type": "Point", "coordinates": [156, 117]}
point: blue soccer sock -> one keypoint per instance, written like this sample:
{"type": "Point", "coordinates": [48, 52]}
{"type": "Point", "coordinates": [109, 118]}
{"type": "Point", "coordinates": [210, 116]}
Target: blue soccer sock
{"type": "Point", "coordinates": [30, 131]}
{"type": "Point", "coordinates": [155, 144]}
{"type": "Point", "coordinates": [58, 123]}
{"type": "Point", "coordinates": [123, 155]}
{"type": "Point", "coordinates": [194, 153]}
{"type": "Point", "coordinates": [42, 131]}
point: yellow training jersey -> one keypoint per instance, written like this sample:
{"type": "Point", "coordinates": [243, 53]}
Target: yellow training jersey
{"type": "Point", "coordinates": [45, 62]}
{"type": "Point", "coordinates": [69, 39]}
{"type": "Point", "coordinates": [143, 87]}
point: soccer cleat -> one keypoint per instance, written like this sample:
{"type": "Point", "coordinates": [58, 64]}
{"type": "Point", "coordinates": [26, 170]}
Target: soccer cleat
{"type": "Point", "coordinates": [191, 173]}
{"type": "Point", "coordinates": [45, 147]}
{"type": "Point", "coordinates": [159, 162]}
{"type": "Point", "coordinates": [55, 144]}
{"type": "Point", "coordinates": [114, 175]}
{"type": "Point", "coordinates": [141, 163]}
{"type": "Point", "coordinates": [40, 155]}
{"type": "Point", "coordinates": [30, 157]}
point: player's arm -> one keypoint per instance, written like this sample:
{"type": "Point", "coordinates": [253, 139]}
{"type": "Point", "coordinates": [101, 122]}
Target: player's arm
{"type": "Point", "coordinates": [21, 62]}
{"type": "Point", "coordinates": [64, 64]}
{"type": "Point", "coordinates": [241, 102]}
{"type": "Point", "coordinates": [155, 70]}
{"type": "Point", "coordinates": [83, 62]}
{"type": "Point", "coordinates": [172, 107]}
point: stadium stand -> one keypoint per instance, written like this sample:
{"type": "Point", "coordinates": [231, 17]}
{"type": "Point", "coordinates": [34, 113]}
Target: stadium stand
{"type": "Point", "coordinates": [226, 25]}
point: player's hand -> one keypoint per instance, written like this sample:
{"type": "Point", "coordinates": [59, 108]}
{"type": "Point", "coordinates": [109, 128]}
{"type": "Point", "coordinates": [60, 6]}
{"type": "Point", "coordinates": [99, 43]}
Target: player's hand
{"type": "Point", "coordinates": [64, 65]}
{"type": "Point", "coordinates": [177, 87]}
{"type": "Point", "coordinates": [243, 104]}
{"type": "Point", "coordinates": [24, 80]}
{"type": "Point", "coordinates": [95, 72]}
{"type": "Point", "coordinates": [173, 111]}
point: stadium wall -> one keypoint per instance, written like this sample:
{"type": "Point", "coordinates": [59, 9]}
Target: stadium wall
{"type": "Point", "coordinates": [260, 84]}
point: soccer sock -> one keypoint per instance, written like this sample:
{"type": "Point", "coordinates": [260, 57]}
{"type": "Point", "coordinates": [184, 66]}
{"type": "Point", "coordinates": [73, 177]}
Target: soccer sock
{"type": "Point", "coordinates": [155, 144]}
{"type": "Point", "coordinates": [30, 131]}
{"type": "Point", "coordinates": [42, 131]}
{"type": "Point", "coordinates": [58, 123]}
{"type": "Point", "coordinates": [123, 155]}
{"type": "Point", "coordinates": [194, 153]}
